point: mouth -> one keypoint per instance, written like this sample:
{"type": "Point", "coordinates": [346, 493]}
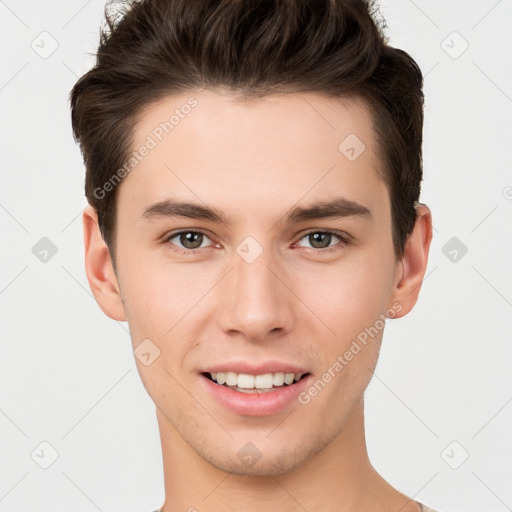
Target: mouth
{"type": "Point", "coordinates": [248, 383]}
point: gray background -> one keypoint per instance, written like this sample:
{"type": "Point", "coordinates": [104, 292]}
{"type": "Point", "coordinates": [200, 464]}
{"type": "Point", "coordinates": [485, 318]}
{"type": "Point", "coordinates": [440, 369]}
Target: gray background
{"type": "Point", "coordinates": [439, 409]}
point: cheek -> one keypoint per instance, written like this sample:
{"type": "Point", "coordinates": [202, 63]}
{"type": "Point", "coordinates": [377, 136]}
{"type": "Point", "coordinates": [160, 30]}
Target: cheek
{"type": "Point", "coordinates": [158, 295]}
{"type": "Point", "coordinates": [350, 297]}
{"type": "Point", "coordinates": [351, 305]}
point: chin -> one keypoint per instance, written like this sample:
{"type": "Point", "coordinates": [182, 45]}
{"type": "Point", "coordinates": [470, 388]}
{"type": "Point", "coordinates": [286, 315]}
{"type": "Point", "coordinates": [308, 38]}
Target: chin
{"type": "Point", "coordinates": [272, 460]}
{"type": "Point", "coordinates": [265, 467]}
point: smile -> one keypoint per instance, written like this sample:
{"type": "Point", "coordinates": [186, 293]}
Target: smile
{"type": "Point", "coordinates": [263, 394]}
{"type": "Point", "coordinates": [246, 383]}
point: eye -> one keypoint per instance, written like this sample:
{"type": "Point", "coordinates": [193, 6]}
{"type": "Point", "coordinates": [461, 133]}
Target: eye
{"type": "Point", "coordinates": [190, 240]}
{"type": "Point", "coordinates": [321, 240]}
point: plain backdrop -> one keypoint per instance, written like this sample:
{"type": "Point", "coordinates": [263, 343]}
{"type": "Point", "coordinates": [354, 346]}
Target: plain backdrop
{"type": "Point", "coordinates": [439, 409]}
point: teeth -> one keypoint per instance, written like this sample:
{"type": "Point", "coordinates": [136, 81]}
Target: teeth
{"type": "Point", "coordinates": [289, 378]}
{"type": "Point", "coordinates": [246, 381]}
{"type": "Point", "coordinates": [278, 379]}
{"type": "Point", "coordinates": [263, 381]}
{"type": "Point", "coordinates": [231, 378]}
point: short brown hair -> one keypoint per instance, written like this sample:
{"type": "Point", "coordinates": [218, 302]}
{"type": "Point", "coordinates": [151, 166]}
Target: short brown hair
{"type": "Point", "coordinates": [253, 48]}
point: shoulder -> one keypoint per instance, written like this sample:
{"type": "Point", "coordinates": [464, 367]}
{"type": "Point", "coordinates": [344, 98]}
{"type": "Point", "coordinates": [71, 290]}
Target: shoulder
{"type": "Point", "coordinates": [424, 508]}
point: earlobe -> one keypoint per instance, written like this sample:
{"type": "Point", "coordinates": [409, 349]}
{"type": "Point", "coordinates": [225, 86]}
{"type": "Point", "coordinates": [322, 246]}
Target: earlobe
{"type": "Point", "coordinates": [414, 261]}
{"type": "Point", "coordinates": [99, 270]}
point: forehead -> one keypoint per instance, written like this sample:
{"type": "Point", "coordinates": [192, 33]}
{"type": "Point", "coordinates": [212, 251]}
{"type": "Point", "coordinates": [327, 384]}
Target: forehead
{"type": "Point", "coordinates": [210, 146]}
{"type": "Point", "coordinates": [218, 120]}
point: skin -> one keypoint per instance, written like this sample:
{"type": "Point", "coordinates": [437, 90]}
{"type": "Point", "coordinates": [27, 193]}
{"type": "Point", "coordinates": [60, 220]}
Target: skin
{"type": "Point", "coordinates": [254, 161]}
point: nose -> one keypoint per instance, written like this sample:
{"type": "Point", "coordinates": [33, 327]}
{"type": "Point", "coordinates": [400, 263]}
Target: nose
{"type": "Point", "coordinates": [257, 301]}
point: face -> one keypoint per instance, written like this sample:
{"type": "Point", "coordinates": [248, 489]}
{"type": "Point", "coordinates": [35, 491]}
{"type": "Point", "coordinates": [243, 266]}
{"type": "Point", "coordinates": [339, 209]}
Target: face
{"type": "Point", "coordinates": [254, 277]}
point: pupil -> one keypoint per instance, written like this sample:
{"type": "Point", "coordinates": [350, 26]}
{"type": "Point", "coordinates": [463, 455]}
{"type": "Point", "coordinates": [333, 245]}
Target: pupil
{"type": "Point", "coordinates": [191, 238]}
{"type": "Point", "coordinates": [319, 237]}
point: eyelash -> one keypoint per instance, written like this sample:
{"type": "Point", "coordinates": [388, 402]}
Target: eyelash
{"type": "Point", "coordinates": [345, 240]}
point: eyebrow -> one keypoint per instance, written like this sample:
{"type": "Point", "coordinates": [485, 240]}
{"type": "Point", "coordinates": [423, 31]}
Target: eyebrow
{"type": "Point", "coordinates": [338, 207]}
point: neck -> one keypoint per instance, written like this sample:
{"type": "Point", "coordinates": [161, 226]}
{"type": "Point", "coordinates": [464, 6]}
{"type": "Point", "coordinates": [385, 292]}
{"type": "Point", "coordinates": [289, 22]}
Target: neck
{"type": "Point", "coordinates": [340, 477]}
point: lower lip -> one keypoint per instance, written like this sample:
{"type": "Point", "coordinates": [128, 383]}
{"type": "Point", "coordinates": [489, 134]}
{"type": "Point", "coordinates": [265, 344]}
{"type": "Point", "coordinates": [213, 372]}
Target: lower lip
{"type": "Point", "coordinates": [255, 404]}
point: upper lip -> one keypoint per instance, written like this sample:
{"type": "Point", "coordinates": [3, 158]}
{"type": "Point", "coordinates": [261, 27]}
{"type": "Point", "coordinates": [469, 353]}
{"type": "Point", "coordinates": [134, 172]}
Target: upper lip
{"type": "Point", "coordinates": [255, 369]}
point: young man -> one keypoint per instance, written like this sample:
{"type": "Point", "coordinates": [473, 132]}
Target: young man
{"type": "Point", "coordinates": [253, 174]}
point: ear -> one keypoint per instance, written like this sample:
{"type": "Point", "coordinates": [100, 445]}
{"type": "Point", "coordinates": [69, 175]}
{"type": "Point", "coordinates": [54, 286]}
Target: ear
{"type": "Point", "coordinates": [99, 269]}
{"type": "Point", "coordinates": [414, 262]}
